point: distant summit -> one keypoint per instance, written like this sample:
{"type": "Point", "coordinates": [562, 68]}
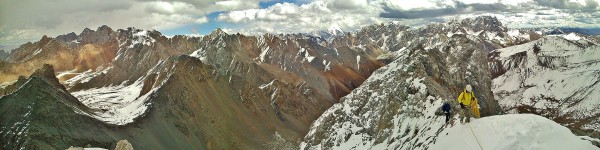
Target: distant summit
{"type": "Point", "coordinates": [329, 33]}
{"type": "Point", "coordinates": [3, 54]}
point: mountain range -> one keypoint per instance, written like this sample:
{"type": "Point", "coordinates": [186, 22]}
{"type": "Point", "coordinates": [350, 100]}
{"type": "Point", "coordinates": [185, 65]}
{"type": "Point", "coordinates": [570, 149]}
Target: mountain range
{"type": "Point", "coordinates": [320, 90]}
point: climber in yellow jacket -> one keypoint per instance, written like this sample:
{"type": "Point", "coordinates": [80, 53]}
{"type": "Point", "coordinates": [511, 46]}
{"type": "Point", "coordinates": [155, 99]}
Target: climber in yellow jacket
{"type": "Point", "coordinates": [468, 104]}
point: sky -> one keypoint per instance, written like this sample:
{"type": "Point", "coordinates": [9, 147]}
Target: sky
{"type": "Point", "coordinates": [22, 21]}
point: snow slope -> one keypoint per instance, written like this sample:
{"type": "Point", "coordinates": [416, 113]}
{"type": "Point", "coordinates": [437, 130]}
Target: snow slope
{"type": "Point", "coordinates": [512, 131]}
{"type": "Point", "coordinates": [555, 77]}
{"type": "Point", "coordinates": [119, 105]}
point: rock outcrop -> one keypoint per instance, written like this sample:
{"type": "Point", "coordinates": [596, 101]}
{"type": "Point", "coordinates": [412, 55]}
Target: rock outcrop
{"type": "Point", "coordinates": [124, 145]}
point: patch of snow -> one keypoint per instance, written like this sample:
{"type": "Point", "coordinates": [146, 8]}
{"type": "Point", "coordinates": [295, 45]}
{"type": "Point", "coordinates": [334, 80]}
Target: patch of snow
{"type": "Point", "coordinates": [509, 51]}
{"type": "Point", "coordinates": [572, 36]}
{"type": "Point", "coordinates": [417, 83]}
{"type": "Point", "coordinates": [38, 51]}
{"type": "Point", "coordinates": [384, 39]}
{"type": "Point", "coordinates": [200, 54]}
{"type": "Point", "coordinates": [141, 37]}
{"type": "Point", "coordinates": [64, 73]}
{"type": "Point", "coordinates": [266, 85]}
{"type": "Point", "coordinates": [471, 32]}
{"type": "Point", "coordinates": [361, 46]}
{"type": "Point", "coordinates": [328, 66]}
{"type": "Point", "coordinates": [308, 57]}
{"type": "Point", "coordinates": [83, 77]}
{"type": "Point", "coordinates": [539, 32]}
{"type": "Point", "coordinates": [514, 33]}
{"type": "Point", "coordinates": [264, 54]}
{"type": "Point", "coordinates": [450, 34]}
{"type": "Point", "coordinates": [358, 61]}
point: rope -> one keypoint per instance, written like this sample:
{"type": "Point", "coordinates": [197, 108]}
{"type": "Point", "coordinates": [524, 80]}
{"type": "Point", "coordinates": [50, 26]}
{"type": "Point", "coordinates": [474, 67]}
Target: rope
{"type": "Point", "coordinates": [475, 136]}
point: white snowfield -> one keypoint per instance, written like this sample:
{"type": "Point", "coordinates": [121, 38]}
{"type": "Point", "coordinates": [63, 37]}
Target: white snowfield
{"type": "Point", "coordinates": [119, 105]}
{"type": "Point", "coordinates": [510, 132]}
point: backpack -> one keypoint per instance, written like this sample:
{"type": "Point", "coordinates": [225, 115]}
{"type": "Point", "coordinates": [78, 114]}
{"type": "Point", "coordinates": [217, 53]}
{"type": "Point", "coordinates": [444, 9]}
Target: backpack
{"type": "Point", "coordinates": [446, 107]}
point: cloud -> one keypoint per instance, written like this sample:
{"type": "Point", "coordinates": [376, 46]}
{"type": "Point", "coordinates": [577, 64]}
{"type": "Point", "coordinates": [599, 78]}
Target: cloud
{"type": "Point", "coordinates": [440, 8]}
{"type": "Point", "coordinates": [294, 18]}
{"type": "Point", "coordinates": [569, 4]}
{"type": "Point", "coordinates": [208, 6]}
{"type": "Point", "coordinates": [348, 4]}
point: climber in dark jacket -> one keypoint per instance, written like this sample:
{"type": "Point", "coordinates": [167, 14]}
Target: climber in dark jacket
{"type": "Point", "coordinates": [446, 108]}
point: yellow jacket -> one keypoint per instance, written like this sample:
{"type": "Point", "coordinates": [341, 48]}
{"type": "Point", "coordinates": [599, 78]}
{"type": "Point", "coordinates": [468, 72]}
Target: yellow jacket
{"type": "Point", "coordinates": [466, 97]}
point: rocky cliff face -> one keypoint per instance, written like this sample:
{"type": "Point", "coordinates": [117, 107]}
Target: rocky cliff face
{"type": "Point", "coordinates": [555, 77]}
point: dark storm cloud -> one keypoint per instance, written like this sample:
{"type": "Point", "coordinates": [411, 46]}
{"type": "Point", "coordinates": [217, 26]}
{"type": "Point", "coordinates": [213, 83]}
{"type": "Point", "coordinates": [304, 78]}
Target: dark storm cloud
{"type": "Point", "coordinates": [460, 8]}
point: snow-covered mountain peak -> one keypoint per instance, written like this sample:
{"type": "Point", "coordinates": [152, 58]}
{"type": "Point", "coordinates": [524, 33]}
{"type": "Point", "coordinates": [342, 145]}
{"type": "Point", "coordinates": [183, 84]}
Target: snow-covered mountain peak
{"type": "Point", "coordinates": [328, 34]}
{"type": "Point", "coordinates": [335, 29]}
{"type": "Point", "coordinates": [217, 32]}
